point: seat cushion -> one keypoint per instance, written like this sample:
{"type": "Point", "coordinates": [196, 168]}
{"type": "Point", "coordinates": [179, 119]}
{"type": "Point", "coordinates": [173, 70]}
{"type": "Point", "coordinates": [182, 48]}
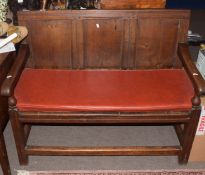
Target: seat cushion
{"type": "Point", "coordinates": [104, 90]}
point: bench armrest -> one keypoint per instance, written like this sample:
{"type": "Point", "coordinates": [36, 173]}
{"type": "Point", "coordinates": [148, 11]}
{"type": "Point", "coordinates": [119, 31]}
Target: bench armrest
{"type": "Point", "coordinates": [192, 71]}
{"type": "Point", "coordinates": [15, 71]}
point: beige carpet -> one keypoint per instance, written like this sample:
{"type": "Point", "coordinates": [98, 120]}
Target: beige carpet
{"type": "Point", "coordinates": [157, 172]}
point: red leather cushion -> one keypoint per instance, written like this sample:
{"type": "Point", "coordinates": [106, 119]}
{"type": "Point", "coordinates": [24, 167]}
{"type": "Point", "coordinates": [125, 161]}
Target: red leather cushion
{"type": "Point", "coordinates": [103, 90]}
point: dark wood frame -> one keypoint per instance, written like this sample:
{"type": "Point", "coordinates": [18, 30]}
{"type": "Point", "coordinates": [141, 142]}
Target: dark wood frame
{"type": "Point", "coordinates": [185, 122]}
{"type": "Point", "coordinates": [6, 61]}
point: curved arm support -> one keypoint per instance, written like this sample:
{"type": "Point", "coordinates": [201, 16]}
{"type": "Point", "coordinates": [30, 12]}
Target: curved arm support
{"type": "Point", "coordinates": [192, 71]}
{"type": "Point", "coordinates": [15, 71]}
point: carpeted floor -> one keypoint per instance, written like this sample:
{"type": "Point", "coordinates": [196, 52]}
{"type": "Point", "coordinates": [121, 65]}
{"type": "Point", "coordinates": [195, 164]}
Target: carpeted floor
{"type": "Point", "coordinates": [105, 136]}
{"type": "Point", "coordinates": [161, 172]}
{"type": "Point", "coordinates": [94, 136]}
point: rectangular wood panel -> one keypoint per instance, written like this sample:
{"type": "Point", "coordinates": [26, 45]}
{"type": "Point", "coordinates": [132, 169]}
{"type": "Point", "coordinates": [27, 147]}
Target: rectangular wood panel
{"type": "Point", "coordinates": [156, 42]}
{"type": "Point", "coordinates": [169, 42]}
{"type": "Point", "coordinates": [147, 43]}
{"type": "Point", "coordinates": [51, 43]}
{"type": "Point", "coordinates": [119, 39]}
{"type": "Point", "coordinates": [103, 42]}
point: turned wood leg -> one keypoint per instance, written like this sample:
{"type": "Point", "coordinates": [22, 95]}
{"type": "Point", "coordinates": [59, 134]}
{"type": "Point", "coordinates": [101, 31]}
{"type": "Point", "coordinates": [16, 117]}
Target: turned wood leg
{"type": "Point", "coordinates": [20, 138]}
{"type": "Point", "coordinates": [3, 157]}
{"type": "Point", "coordinates": [18, 131]}
{"type": "Point", "coordinates": [188, 136]}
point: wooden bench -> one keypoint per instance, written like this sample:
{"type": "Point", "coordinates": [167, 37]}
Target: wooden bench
{"type": "Point", "coordinates": [114, 67]}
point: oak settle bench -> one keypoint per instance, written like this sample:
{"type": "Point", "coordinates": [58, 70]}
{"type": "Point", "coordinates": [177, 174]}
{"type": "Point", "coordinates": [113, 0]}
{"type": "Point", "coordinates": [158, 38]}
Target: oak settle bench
{"type": "Point", "coordinates": [105, 67]}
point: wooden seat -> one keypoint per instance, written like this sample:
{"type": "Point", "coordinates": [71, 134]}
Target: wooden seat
{"type": "Point", "coordinates": [104, 67]}
{"type": "Point", "coordinates": [104, 90]}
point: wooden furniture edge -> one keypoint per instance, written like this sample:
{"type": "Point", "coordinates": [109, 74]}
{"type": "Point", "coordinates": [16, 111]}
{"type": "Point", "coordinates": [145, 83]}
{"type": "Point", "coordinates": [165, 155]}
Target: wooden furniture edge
{"type": "Point", "coordinates": [61, 14]}
{"type": "Point", "coordinates": [15, 71]}
{"type": "Point", "coordinates": [192, 71]}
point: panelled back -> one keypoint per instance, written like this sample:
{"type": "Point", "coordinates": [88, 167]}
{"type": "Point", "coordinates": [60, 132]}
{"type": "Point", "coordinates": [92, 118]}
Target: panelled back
{"type": "Point", "coordinates": [119, 39]}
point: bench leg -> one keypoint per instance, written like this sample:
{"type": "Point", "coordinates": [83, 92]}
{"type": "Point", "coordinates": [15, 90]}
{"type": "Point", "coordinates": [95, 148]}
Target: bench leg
{"type": "Point", "coordinates": [189, 132]}
{"type": "Point", "coordinates": [19, 136]}
{"type": "Point", "coordinates": [3, 157]}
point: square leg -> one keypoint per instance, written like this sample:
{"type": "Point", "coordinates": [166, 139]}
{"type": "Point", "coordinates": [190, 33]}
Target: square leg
{"type": "Point", "coordinates": [3, 156]}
